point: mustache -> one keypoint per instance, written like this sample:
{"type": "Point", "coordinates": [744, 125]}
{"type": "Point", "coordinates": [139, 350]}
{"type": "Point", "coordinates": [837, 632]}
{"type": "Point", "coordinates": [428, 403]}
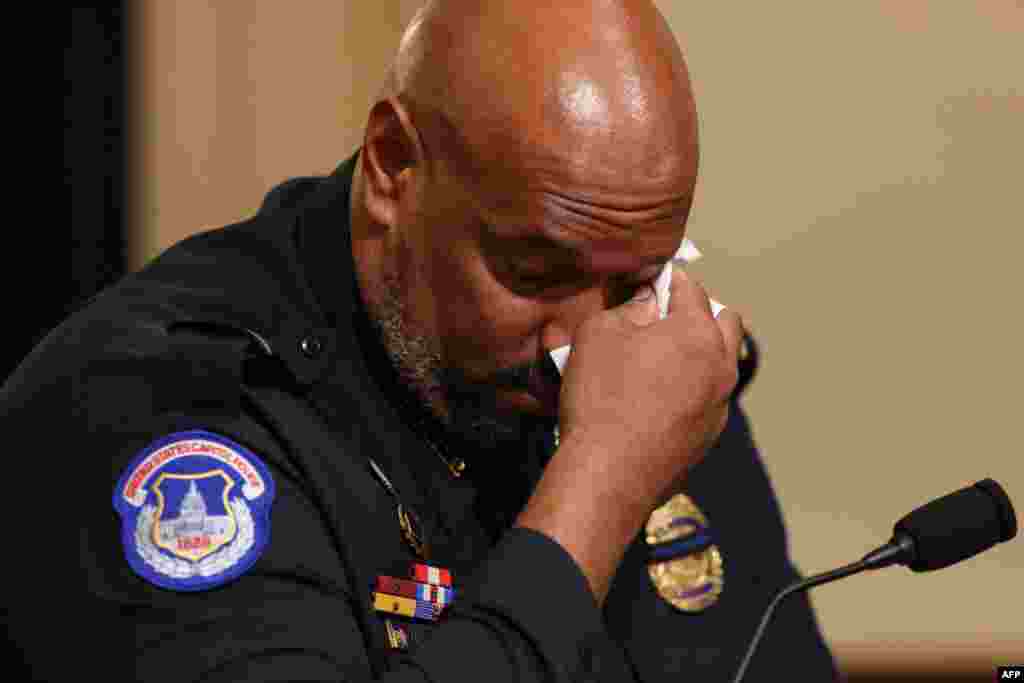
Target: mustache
{"type": "Point", "coordinates": [517, 377]}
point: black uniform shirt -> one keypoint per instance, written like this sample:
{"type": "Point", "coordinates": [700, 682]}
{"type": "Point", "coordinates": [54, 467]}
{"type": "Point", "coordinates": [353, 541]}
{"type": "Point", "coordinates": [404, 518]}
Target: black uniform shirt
{"type": "Point", "coordinates": [256, 333]}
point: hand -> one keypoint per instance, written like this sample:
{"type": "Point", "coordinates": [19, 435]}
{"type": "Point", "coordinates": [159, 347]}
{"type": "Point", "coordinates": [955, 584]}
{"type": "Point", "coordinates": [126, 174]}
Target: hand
{"type": "Point", "coordinates": [641, 401]}
{"type": "Point", "coordinates": [656, 391]}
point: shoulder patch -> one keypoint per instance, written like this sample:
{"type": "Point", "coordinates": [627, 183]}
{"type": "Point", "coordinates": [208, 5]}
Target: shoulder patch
{"type": "Point", "coordinates": [195, 510]}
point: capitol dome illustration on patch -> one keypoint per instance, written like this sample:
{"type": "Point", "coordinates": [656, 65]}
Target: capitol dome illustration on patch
{"type": "Point", "coordinates": [195, 511]}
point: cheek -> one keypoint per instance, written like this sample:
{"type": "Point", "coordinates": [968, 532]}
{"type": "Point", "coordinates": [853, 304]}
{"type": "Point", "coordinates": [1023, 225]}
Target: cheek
{"type": "Point", "coordinates": [482, 319]}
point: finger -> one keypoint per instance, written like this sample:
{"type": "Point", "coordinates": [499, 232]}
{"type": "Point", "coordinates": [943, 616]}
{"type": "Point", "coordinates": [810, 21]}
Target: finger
{"type": "Point", "coordinates": [642, 309]}
{"type": "Point", "coordinates": [686, 293]}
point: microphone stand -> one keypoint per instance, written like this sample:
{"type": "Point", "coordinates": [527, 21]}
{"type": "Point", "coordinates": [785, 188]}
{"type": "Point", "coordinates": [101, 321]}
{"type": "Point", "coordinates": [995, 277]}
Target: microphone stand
{"type": "Point", "coordinates": [896, 550]}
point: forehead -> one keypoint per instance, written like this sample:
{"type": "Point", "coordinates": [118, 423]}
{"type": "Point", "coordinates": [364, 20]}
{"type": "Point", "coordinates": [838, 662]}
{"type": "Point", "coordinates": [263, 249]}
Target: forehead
{"type": "Point", "coordinates": [605, 218]}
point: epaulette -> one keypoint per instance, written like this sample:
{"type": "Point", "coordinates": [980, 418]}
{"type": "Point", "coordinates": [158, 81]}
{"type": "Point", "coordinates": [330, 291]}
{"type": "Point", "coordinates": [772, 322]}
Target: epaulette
{"type": "Point", "coordinates": [240, 353]}
{"type": "Point", "coordinates": [288, 194]}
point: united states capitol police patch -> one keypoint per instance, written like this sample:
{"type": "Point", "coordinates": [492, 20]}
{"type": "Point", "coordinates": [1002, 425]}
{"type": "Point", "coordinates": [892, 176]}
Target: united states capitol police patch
{"type": "Point", "coordinates": [195, 510]}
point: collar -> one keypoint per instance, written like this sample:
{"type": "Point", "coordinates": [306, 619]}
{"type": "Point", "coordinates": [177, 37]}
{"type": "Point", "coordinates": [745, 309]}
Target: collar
{"type": "Point", "coordinates": [324, 239]}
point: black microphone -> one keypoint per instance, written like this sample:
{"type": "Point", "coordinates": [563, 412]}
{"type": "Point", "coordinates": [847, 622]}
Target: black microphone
{"type": "Point", "coordinates": [940, 533]}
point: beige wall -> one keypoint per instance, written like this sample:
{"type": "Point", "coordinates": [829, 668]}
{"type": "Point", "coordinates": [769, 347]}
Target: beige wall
{"type": "Point", "coordinates": [860, 199]}
{"type": "Point", "coordinates": [232, 98]}
{"type": "Point", "coordinates": [859, 202]}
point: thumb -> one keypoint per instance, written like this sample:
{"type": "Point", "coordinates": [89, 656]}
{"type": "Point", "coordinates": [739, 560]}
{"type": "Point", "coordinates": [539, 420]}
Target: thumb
{"type": "Point", "coordinates": [642, 309]}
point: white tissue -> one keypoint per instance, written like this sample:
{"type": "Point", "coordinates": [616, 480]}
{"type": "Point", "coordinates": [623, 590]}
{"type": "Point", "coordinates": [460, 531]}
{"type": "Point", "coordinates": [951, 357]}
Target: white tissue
{"type": "Point", "coordinates": [688, 253]}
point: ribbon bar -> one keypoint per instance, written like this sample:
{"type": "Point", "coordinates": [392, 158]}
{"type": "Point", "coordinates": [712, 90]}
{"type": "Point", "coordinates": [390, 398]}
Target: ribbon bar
{"type": "Point", "coordinates": [406, 607]}
{"type": "Point", "coordinates": [439, 595]}
{"type": "Point", "coordinates": [432, 575]}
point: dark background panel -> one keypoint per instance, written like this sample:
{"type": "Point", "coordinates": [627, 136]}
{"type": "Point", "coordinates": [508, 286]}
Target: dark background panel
{"type": "Point", "coordinates": [94, 173]}
{"type": "Point", "coordinates": [94, 169]}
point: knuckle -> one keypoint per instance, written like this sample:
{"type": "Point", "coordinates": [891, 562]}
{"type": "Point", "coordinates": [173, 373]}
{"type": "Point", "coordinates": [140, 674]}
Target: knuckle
{"type": "Point", "coordinates": [704, 343]}
{"type": "Point", "coordinates": [592, 325]}
{"type": "Point", "coordinates": [713, 338]}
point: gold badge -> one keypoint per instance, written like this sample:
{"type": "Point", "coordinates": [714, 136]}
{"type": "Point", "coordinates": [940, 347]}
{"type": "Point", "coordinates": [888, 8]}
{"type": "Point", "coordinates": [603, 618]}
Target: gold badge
{"type": "Point", "coordinates": [685, 565]}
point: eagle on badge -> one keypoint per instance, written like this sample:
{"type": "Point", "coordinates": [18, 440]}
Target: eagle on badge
{"type": "Point", "coordinates": [195, 511]}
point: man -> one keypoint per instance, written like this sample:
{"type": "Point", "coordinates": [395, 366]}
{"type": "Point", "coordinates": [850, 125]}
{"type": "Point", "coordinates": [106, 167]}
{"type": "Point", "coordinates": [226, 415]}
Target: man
{"type": "Point", "coordinates": [326, 430]}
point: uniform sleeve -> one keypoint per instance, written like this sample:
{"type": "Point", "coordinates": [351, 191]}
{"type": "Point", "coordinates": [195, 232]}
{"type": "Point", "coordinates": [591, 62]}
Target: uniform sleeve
{"type": "Point", "coordinates": [528, 615]}
{"type": "Point", "coordinates": [77, 608]}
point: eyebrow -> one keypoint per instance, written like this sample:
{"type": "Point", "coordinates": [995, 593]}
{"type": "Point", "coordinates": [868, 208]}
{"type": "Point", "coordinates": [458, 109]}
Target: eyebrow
{"type": "Point", "coordinates": [544, 241]}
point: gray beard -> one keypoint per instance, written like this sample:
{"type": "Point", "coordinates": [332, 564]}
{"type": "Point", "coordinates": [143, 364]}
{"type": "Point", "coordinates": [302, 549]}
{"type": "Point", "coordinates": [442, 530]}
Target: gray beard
{"type": "Point", "coordinates": [467, 409]}
{"type": "Point", "coordinates": [474, 419]}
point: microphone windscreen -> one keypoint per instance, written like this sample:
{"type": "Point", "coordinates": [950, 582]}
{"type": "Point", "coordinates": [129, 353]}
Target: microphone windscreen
{"type": "Point", "coordinates": [959, 525]}
{"type": "Point", "coordinates": [1007, 518]}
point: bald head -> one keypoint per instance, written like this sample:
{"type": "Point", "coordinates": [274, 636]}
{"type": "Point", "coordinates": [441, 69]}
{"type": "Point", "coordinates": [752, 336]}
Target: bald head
{"type": "Point", "coordinates": [588, 85]}
{"type": "Point", "coordinates": [527, 164]}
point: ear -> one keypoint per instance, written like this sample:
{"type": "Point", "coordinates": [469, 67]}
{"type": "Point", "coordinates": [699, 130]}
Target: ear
{"type": "Point", "coordinates": [392, 151]}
